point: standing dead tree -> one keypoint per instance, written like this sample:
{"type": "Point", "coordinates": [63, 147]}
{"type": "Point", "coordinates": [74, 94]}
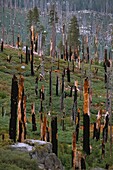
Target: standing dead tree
{"type": "Point", "coordinates": [32, 44]}
{"type": "Point", "coordinates": [34, 128]}
{"type": "Point", "coordinates": [54, 136]}
{"type": "Point", "coordinates": [97, 126]}
{"type": "Point", "coordinates": [86, 119]}
{"type": "Point", "coordinates": [74, 151]}
{"type": "Point", "coordinates": [14, 104]}
{"type": "Point", "coordinates": [21, 111]}
{"type": "Point", "coordinates": [105, 128]}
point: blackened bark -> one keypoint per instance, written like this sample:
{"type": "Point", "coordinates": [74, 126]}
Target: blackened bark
{"type": "Point", "coordinates": [34, 128]}
{"type": "Point", "coordinates": [14, 104]}
{"type": "Point", "coordinates": [57, 86]}
{"type": "Point", "coordinates": [54, 135]}
{"type": "Point", "coordinates": [71, 90]}
{"type": "Point", "coordinates": [32, 70]}
{"type": "Point", "coordinates": [86, 133]}
{"type": "Point", "coordinates": [105, 129]}
{"type": "Point", "coordinates": [70, 53]}
{"type": "Point", "coordinates": [26, 55]}
{"type": "Point", "coordinates": [88, 54]}
{"type": "Point", "coordinates": [68, 74]}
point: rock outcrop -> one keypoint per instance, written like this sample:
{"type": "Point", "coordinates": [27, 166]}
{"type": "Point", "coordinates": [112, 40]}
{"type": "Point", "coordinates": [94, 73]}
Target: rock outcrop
{"type": "Point", "coordinates": [42, 151]}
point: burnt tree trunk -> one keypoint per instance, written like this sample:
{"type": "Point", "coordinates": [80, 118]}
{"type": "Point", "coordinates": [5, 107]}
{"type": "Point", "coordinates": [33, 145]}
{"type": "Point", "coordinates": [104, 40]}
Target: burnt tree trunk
{"type": "Point", "coordinates": [14, 104]}
{"type": "Point", "coordinates": [68, 74]}
{"type": "Point", "coordinates": [105, 129]}
{"type": "Point", "coordinates": [44, 128]}
{"type": "Point", "coordinates": [34, 128]}
{"type": "Point", "coordinates": [71, 90]}
{"type": "Point", "coordinates": [88, 54]}
{"type": "Point", "coordinates": [32, 70]}
{"type": "Point", "coordinates": [74, 151]}
{"type": "Point", "coordinates": [26, 61]}
{"type": "Point", "coordinates": [18, 41]}
{"type": "Point", "coordinates": [70, 53]}
{"type": "Point", "coordinates": [54, 136]}
{"type": "Point", "coordinates": [57, 86]}
{"type": "Point", "coordinates": [86, 119]}
{"type": "Point", "coordinates": [75, 105]}
{"type": "Point", "coordinates": [21, 111]}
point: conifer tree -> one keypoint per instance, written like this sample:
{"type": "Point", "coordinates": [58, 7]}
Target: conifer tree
{"type": "Point", "coordinates": [73, 33]}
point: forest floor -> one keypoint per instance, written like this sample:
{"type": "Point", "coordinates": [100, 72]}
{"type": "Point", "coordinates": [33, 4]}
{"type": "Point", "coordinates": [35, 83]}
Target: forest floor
{"type": "Point", "coordinates": [8, 69]}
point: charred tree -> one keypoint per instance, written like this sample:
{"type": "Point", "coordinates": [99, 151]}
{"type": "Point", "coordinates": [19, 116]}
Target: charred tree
{"type": "Point", "coordinates": [71, 91]}
{"type": "Point", "coordinates": [70, 53]}
{"type": "Point", "coordinates": [105, 128]}
{"type": "Point", "coordinates": [21, 111]}
{"type": "Point", "coordinates": [14, 104]}
{"type": "Point", "coordinates": [68, 74]}
{"type": "Point", "coordinates": [98, 125]}
{"type": "Point", "coordinates": [54, 135]}
{"type": "Point", "coordinates": [26, 61]}
{"type": "Point", "coordinates": [74, 151]}
{"type": "Point", "coordinates": [44, 128]}
{"type": "Point", "coordinates": [32, 70]}
{"type": "Point", "coordinates": [18, 41]}
{"type": "Point", "coordinates": [74, 110]}
{"type": "Point", "coordinates": [86, 119]}
{"type": "Point", "coordinates": [34, 128]}
{"type": "Point", "coordinates": [88, 54]}
{"type": "Point", "coordinates": [57, 86]}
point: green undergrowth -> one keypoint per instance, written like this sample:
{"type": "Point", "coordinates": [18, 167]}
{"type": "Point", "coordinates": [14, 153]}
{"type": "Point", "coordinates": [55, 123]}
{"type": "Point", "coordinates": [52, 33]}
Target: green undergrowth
{"type": "Point", "coordinates": [64, 137]}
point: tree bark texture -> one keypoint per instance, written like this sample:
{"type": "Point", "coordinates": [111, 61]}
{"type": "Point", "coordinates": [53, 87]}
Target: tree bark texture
{"type": "Point", "coordinates": [86, 119]}
{"type": "Point", "coordinates": [54, 136]}
{"type": "Point", "coordinates": [21, 111]}
{"type": "Point", "coordinates": [14, 104]}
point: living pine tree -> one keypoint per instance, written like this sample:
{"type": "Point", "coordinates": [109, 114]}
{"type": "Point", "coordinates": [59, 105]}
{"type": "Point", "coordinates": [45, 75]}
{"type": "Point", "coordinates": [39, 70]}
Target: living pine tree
{"type": "Point", "coordinates": [53, 18]}
{"type": "Point", "coordinates": [29, 19]}
{"type": "Point", "coordinates": [73, 33]}
{"type": "Point", "coordinates": [32, 17]}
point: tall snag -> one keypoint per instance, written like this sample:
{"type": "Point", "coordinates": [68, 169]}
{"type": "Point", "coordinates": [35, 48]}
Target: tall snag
{"type": "Point", "coordinates": [74, 151]}
{"type": "Point", "coordinates": [14, 104]}
{"type": "Point", "coordinates": [105, 128]}
{"type": "Point", "coordinates": [32, 70]}
{"type": "Point", "coordinates": [54, 135]}
{"type": "Point", "coordinates": [26, 60]}
{"type": "Point", "coordinates": [21, 111]}
{"type": "Point", "coordinates": [34, 128]}
{"type": "Point", "coordinates": [97, 126]}
{"type": "Point", "coordinates": [86, 119]}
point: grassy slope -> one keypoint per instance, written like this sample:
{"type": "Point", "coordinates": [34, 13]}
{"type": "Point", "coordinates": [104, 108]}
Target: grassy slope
{"type": "Point", "coordinates": [64, 137]}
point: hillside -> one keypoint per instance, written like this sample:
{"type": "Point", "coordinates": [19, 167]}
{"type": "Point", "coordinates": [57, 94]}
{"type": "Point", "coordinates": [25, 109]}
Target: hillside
{"type": "Point", "coordinates": [8, 69]}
